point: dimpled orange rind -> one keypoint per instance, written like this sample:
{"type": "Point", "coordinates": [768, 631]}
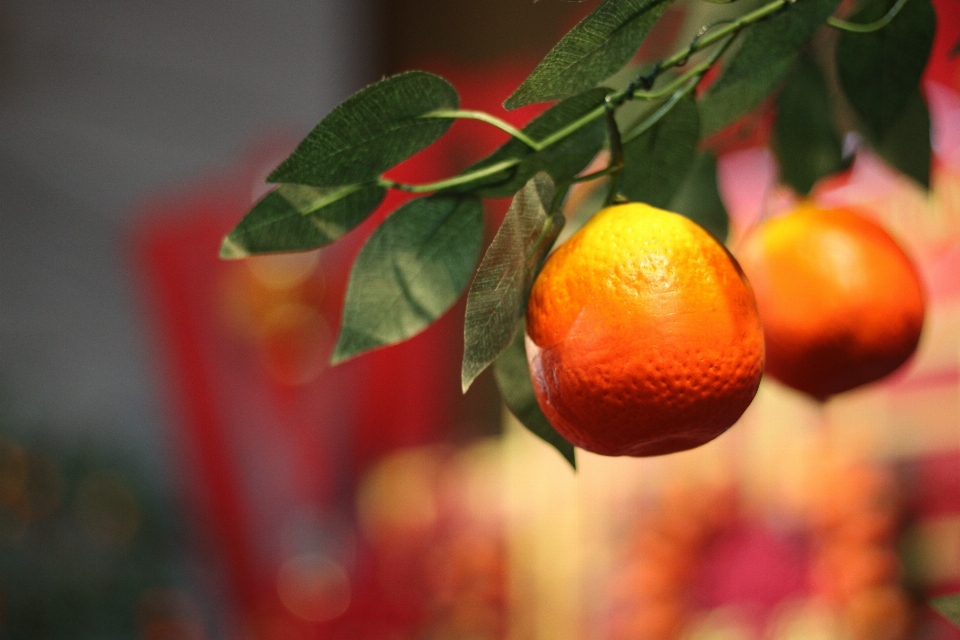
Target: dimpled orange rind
{"type": "Point", "coordinates": [643, 336]}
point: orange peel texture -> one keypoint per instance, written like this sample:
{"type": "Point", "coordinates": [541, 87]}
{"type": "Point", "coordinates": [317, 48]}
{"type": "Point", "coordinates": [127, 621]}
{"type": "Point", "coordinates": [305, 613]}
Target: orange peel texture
{"type": "Point", "coordinates": [643, 336]}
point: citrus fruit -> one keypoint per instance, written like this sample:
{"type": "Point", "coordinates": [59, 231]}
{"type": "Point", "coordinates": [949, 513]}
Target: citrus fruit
{"type": "Point", "coordinates": [841, 303]}
{"type": "Point", "coordinates": [642, 335]}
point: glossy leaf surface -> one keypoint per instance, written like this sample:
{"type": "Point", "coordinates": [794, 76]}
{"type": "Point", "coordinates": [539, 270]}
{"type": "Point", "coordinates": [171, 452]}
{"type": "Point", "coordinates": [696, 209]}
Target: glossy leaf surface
{"type": "Point", "coordinates": [516, 388]}
{"type": "Point", "coordinates": [410, 271]}
{"type": "Point", "coordinates": [880, 71]}
{"type": "Point", "coordinates": [498, 296]}
{"type": "Point", "coordinates": [764, 59]}
{"type": "Point", "coordinates": [298, 218]}
{"type": "Point", "coordinates": [804, 139]}
{"type": "Point", "coordinates": [371, 131]}
{"type": "Point", "coordinates": [594, 49]}
{"type": "Point", "coordinates": [906, 146]}
{"type": "Point", "coordinates": [699, 199]}
{"type": "Point", "coordinates": [656, 161]}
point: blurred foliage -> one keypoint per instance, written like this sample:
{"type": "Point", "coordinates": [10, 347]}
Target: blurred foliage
{"type": "Point", "coordinates": [88, 547]}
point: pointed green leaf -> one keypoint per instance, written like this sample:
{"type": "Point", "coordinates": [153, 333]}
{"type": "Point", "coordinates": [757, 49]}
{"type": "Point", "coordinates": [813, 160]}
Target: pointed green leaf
{"type": "Point", "coordinates": [593, 50]}
{"type": "Point", "coordinates": [410, 272]}
{"type": "Point", "coordinates": [768, 52]}
{"type": "Point", "coordinates": [513, 379]}
{"type": "Point", "coordinates": [656, 160]}
{"type": "Point", "coordinates": [906, 146]}
{"type": "Point", "coordinates": [295, 217]}
{"type": "Point", "coordinates": [805, 141]}
{"type": "Point", "coordinates": [562, 160]}
{"type": "Point", "coordinates": [699, 199]}
{"type": "Point", "coordinates": [498, 296]}
{"type": "Point", "coordinates": [880, 71]}
{"type": "Point", "coordinates": [949, 607]}
{"type": "Point", "coordinates": [371, 131]}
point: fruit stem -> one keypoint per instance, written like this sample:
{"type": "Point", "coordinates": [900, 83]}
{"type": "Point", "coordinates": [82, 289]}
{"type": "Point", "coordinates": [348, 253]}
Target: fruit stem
{"type": "Point", "coordinates": [616, 152]}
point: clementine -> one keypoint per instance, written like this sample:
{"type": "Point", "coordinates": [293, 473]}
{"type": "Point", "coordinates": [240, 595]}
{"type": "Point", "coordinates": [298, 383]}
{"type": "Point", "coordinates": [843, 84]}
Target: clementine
{"type": "Point", "coordinates": [642, 335]}
{"type": "Point", "coordinates": [841, 303]}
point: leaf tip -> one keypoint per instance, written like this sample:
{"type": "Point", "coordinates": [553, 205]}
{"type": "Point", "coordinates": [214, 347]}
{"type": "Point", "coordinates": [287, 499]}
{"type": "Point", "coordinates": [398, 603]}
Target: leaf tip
{"type": "Point", "coordinates": [517, 99]}
{"type": "Point", "coordinates": [340, 354]}
{"type": "Point", "coordinates": [230, 249]}
{"type": "Point", "coordinates": [467, 376]}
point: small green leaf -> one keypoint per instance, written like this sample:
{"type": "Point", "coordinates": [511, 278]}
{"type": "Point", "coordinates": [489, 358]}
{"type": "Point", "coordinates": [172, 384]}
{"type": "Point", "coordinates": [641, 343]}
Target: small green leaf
{"type": "Point", "coordinates": [562, 160]}
{"type": "Point", "coordinates": [804, 139]}
{"type": "Point", "coordinates": [295, 217]}
{"type": "Point", "coordinates": [593, 50]}
{"type": "Point", "coordinates": [949, 607]}
{"type": "Point", "coordinates": [410, 272]}
{"type": "Point", "coordinates": [762, 62]}
{"type": "Point", "coordinates": [880, 71]}
{"type": "Point", "coordinates": [498, 296]}
{"type": "Point", "coordinates": [513, 379]}
{"type": "Point", "coordinates": [371, 131]}
{"type": "Point", "coordinates": [906, 146]}
{"type": "Point", "coordinates": [656, 161]}
{"type": "Point", "coordinates": [699, 199]}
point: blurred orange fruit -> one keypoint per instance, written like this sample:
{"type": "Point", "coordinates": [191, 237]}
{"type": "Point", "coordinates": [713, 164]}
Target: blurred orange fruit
{"type": "Point", "coordinates": [643, 336]}
{"type": "Point", "coordinates": [842, 305]}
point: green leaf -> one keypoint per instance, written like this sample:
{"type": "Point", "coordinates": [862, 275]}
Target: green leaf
{"type": "Point", "coordinates": [410, 272]}
{"type": "Point", "coordinates": [498, 296]}
{"type": "Point", "coordinates": [949, 607]}
{"type": "Point", "coordinates": [762, 62]}
{"type": "Point", "coordinates": [593, 50]}
{"type": "Point", "coordinates": [880, 71]}
{"type": "Point", "coordinates": [371, 131]}
{"type": "Point", "coordinates": [295, 217]}
{"type": "Point", "coordinates": [656, 161]}
{"type": "Point", "coordinates": [562, 160]}
{"type": "Point", "coordinates": [804, 139]}
{"type": "Point", "coordinates": [513, 379]}
{"type": "Point", "coordinates": [906, 146]}
{"type": "Point", "coordinates": [699, 199]}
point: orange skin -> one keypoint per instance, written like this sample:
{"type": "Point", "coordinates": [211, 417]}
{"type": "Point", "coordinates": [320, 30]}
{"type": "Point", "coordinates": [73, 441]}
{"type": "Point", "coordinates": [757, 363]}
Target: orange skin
{"type": "Point", "coordinates": [842, 305]}
{"type": "Point", "coordinates": [642, 335]}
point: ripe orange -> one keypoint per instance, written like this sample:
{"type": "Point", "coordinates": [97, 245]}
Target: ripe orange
{"type": "Point", "coordinates": [841, 303]}
{"type": "Point", "coordinates": [642, 335]}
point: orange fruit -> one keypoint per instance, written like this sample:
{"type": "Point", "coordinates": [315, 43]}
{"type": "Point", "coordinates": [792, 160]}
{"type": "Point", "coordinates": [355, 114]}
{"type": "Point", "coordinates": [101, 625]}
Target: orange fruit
{"type": "Point", "coordinates": [642, 335]}
{"type": "Point", "coordinates": [841, 303]}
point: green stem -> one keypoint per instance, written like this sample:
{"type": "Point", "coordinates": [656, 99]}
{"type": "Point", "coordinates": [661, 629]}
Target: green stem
{"type": "Point", "coordinates": [664, 109]}
{"type": "Point", "coordinates": [489, 119]}
{"type": "Point", "coordinates": [679, 58]}
{"type": "Point", "coordinates": [455, 181]}
{"type": "Point", "coordinates": [596, 174]}
{"type": "Point", "coordinates": [876, 25]}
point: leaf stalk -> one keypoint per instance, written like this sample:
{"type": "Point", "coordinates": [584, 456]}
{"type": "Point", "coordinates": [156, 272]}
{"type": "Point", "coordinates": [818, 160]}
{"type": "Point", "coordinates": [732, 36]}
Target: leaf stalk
{"type": "Point", "coordinates": [869, 27]}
